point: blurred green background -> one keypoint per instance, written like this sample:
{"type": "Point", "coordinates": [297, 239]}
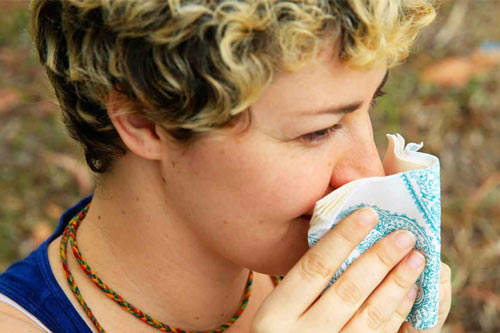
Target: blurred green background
{"type": "Point", "coordinates": [447, 94]}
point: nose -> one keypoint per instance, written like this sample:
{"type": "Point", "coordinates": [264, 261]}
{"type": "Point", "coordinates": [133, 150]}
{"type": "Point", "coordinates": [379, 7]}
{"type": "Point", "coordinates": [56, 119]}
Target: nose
{"type": "Point", "coordinates": [361, 160]}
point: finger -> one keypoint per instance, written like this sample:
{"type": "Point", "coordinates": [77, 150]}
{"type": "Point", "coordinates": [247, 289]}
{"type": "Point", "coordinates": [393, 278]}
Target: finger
{"type": "Point", "coordinates": [310, 275]}
{"type": "Point", "coordinates": [444, 303]}
{"type": "Point", "coordinates": [444, 297]}
{"type": "Point", "coordinates": [354, 286]}
{"type": "Point", "coordinates": [399, 316]}
{"type": "Point", "coordinates": [378, 310]}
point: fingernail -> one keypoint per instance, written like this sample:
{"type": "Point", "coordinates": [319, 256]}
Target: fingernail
{"type": "Point", "coordinates": [367, 216]}
{"type": "Point", "coordinates": [416, 260]}
{"type": "Point", "coordinates": [413, 292]}
{"type": "Point", "coordinates": [404, 239]}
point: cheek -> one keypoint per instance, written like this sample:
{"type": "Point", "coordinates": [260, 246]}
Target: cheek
{"type": "Point", "coordinates": [250, 196]}
{"type": "Point", "coordinates": [249, 183]}
{"type": "Point", "coordinates": [303, 185]}
{"type": "Point", "coordinates": [264, 182]}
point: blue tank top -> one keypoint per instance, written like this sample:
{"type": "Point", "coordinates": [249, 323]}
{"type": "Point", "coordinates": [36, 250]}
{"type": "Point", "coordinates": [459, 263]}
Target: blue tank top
{"type": "Point", "coordinates": [31, 284]}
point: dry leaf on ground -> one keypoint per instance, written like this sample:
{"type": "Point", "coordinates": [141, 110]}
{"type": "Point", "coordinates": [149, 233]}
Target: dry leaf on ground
{"type": "Point", "coordinates": [482, 294]}
{"type": "Point", "coordinates": [9, 98]}
{"type": "Point", "coordinates": [457, 71]}
{"type": "Point", "coordinates": [54, 211]}
{"type": "Point", "coordinates": [40, 232]}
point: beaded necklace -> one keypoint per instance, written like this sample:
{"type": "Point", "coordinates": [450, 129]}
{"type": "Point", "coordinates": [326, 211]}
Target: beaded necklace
{"type": "Point", "coordinates": [70, 234]}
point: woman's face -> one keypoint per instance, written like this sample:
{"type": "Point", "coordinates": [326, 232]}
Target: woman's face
{"type": "Point", "coordinates": [243, 195]}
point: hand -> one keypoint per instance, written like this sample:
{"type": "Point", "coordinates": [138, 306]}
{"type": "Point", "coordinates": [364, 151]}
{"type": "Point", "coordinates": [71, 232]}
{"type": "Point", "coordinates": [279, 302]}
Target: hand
{"type": "Point", "coordinates": [372, 295]}
{"type": "Point", "coordinates": [444, 304]}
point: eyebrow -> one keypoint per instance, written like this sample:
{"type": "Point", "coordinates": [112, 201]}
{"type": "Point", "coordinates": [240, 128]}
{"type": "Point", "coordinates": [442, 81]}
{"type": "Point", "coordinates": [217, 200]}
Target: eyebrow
{"type": "Point", "coordinates": [344, 109]}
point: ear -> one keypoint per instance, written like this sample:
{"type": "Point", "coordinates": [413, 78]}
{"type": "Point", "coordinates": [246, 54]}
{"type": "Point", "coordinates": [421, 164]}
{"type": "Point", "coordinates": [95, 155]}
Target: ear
{"type": "Point", "coordinates": [138, 134]}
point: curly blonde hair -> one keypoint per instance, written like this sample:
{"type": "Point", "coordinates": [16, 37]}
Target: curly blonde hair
{"type": "Point", "coordinates": [193, 66]}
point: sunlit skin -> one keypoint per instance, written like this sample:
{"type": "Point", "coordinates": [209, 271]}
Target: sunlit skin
{"type": "Point", "coordinates": [191, 223]}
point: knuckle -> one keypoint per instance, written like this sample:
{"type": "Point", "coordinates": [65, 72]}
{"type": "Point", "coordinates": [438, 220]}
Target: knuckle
{"type": "Point", "coordinates": [347, 291]}
{"type": "Point", "coordinates": [375, 318]}
{"type": "Point", "coordinates": [349, 236]}
{"type": "Point", "coordinates": [313, 266]}
{"type": "Point", "coordinates": [402, 281]}
{"type": "Point", "coordinates": [383, 255]}
{"type": "Point", "coordinates": [403, 309]}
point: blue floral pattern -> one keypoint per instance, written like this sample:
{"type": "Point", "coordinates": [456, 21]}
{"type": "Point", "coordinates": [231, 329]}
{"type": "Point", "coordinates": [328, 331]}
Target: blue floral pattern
{"type": "Point", "coordinates": [423, 186]}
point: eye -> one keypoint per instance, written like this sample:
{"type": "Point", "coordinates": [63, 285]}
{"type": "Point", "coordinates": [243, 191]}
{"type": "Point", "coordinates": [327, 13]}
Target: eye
{"type": "Point", "coordinates": [321, 135]}
{"type": "Point", "coordinates": [378, 93]}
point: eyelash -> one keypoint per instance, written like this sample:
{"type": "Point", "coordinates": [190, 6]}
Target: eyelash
{"type": "Point", "coordinates": [326, 132]}
{"type": "Point", "coordinates": [378, 94]}
{"type": "Point", "coordinates": [323, 134]}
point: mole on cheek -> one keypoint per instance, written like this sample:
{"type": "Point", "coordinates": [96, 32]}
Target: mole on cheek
{"type": "Point", "coordinates": [173, 164]}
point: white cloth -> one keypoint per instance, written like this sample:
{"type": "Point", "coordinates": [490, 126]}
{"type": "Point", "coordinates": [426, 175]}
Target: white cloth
{"type": "Point", "coordinates": [408, 197]}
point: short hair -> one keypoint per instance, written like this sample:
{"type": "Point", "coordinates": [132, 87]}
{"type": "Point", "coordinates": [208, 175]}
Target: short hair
{"type": "Point", "coordinates": [194, 66]}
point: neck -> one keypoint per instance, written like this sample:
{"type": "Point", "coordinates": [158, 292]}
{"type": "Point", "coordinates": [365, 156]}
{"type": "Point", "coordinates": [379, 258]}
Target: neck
{"type": "Point", "coordinates": [145, 252]}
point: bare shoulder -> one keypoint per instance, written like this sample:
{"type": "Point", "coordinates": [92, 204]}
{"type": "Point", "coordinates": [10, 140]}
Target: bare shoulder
{"type": "Point", "coordinates": [13, 320]}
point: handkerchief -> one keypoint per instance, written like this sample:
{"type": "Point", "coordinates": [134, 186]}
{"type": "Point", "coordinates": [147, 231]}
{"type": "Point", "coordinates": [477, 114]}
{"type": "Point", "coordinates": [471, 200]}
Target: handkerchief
{"type": "Point", "coordinates": [408, 197]}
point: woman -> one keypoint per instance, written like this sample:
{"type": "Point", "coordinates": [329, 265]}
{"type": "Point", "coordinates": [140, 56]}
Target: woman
{"type": "Point", "coordinates": [213, 127]}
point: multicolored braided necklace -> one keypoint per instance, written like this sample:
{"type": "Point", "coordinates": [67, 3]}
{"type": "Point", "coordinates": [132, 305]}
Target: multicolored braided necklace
{"type": "Point", "coordinates": [70, 234]}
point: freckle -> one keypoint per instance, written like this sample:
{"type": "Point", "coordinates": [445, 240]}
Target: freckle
{"type": "Point", "coordinates": [196, 318]}
{"type": "Point", "coordinates": [226, 222]}
{"type": "Point", "coordinates": [123, 212]}
{"type": "Point", "coordinates": [222, 152]}
{"type": "Point", "coordinates": [98, 217]}
{"type": "Point", "coordinates": [173, 164]}
{"type": "Point", "coordinates": [136, 198]}
{"type": "Point", "coordinates": [163, 179]}
{"type": "Point", "coordinates": [330, 163]}
{"type": "Point", "coordinates": [261, 221]}
{"type": "Point", "coordinates": [222, 315]}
